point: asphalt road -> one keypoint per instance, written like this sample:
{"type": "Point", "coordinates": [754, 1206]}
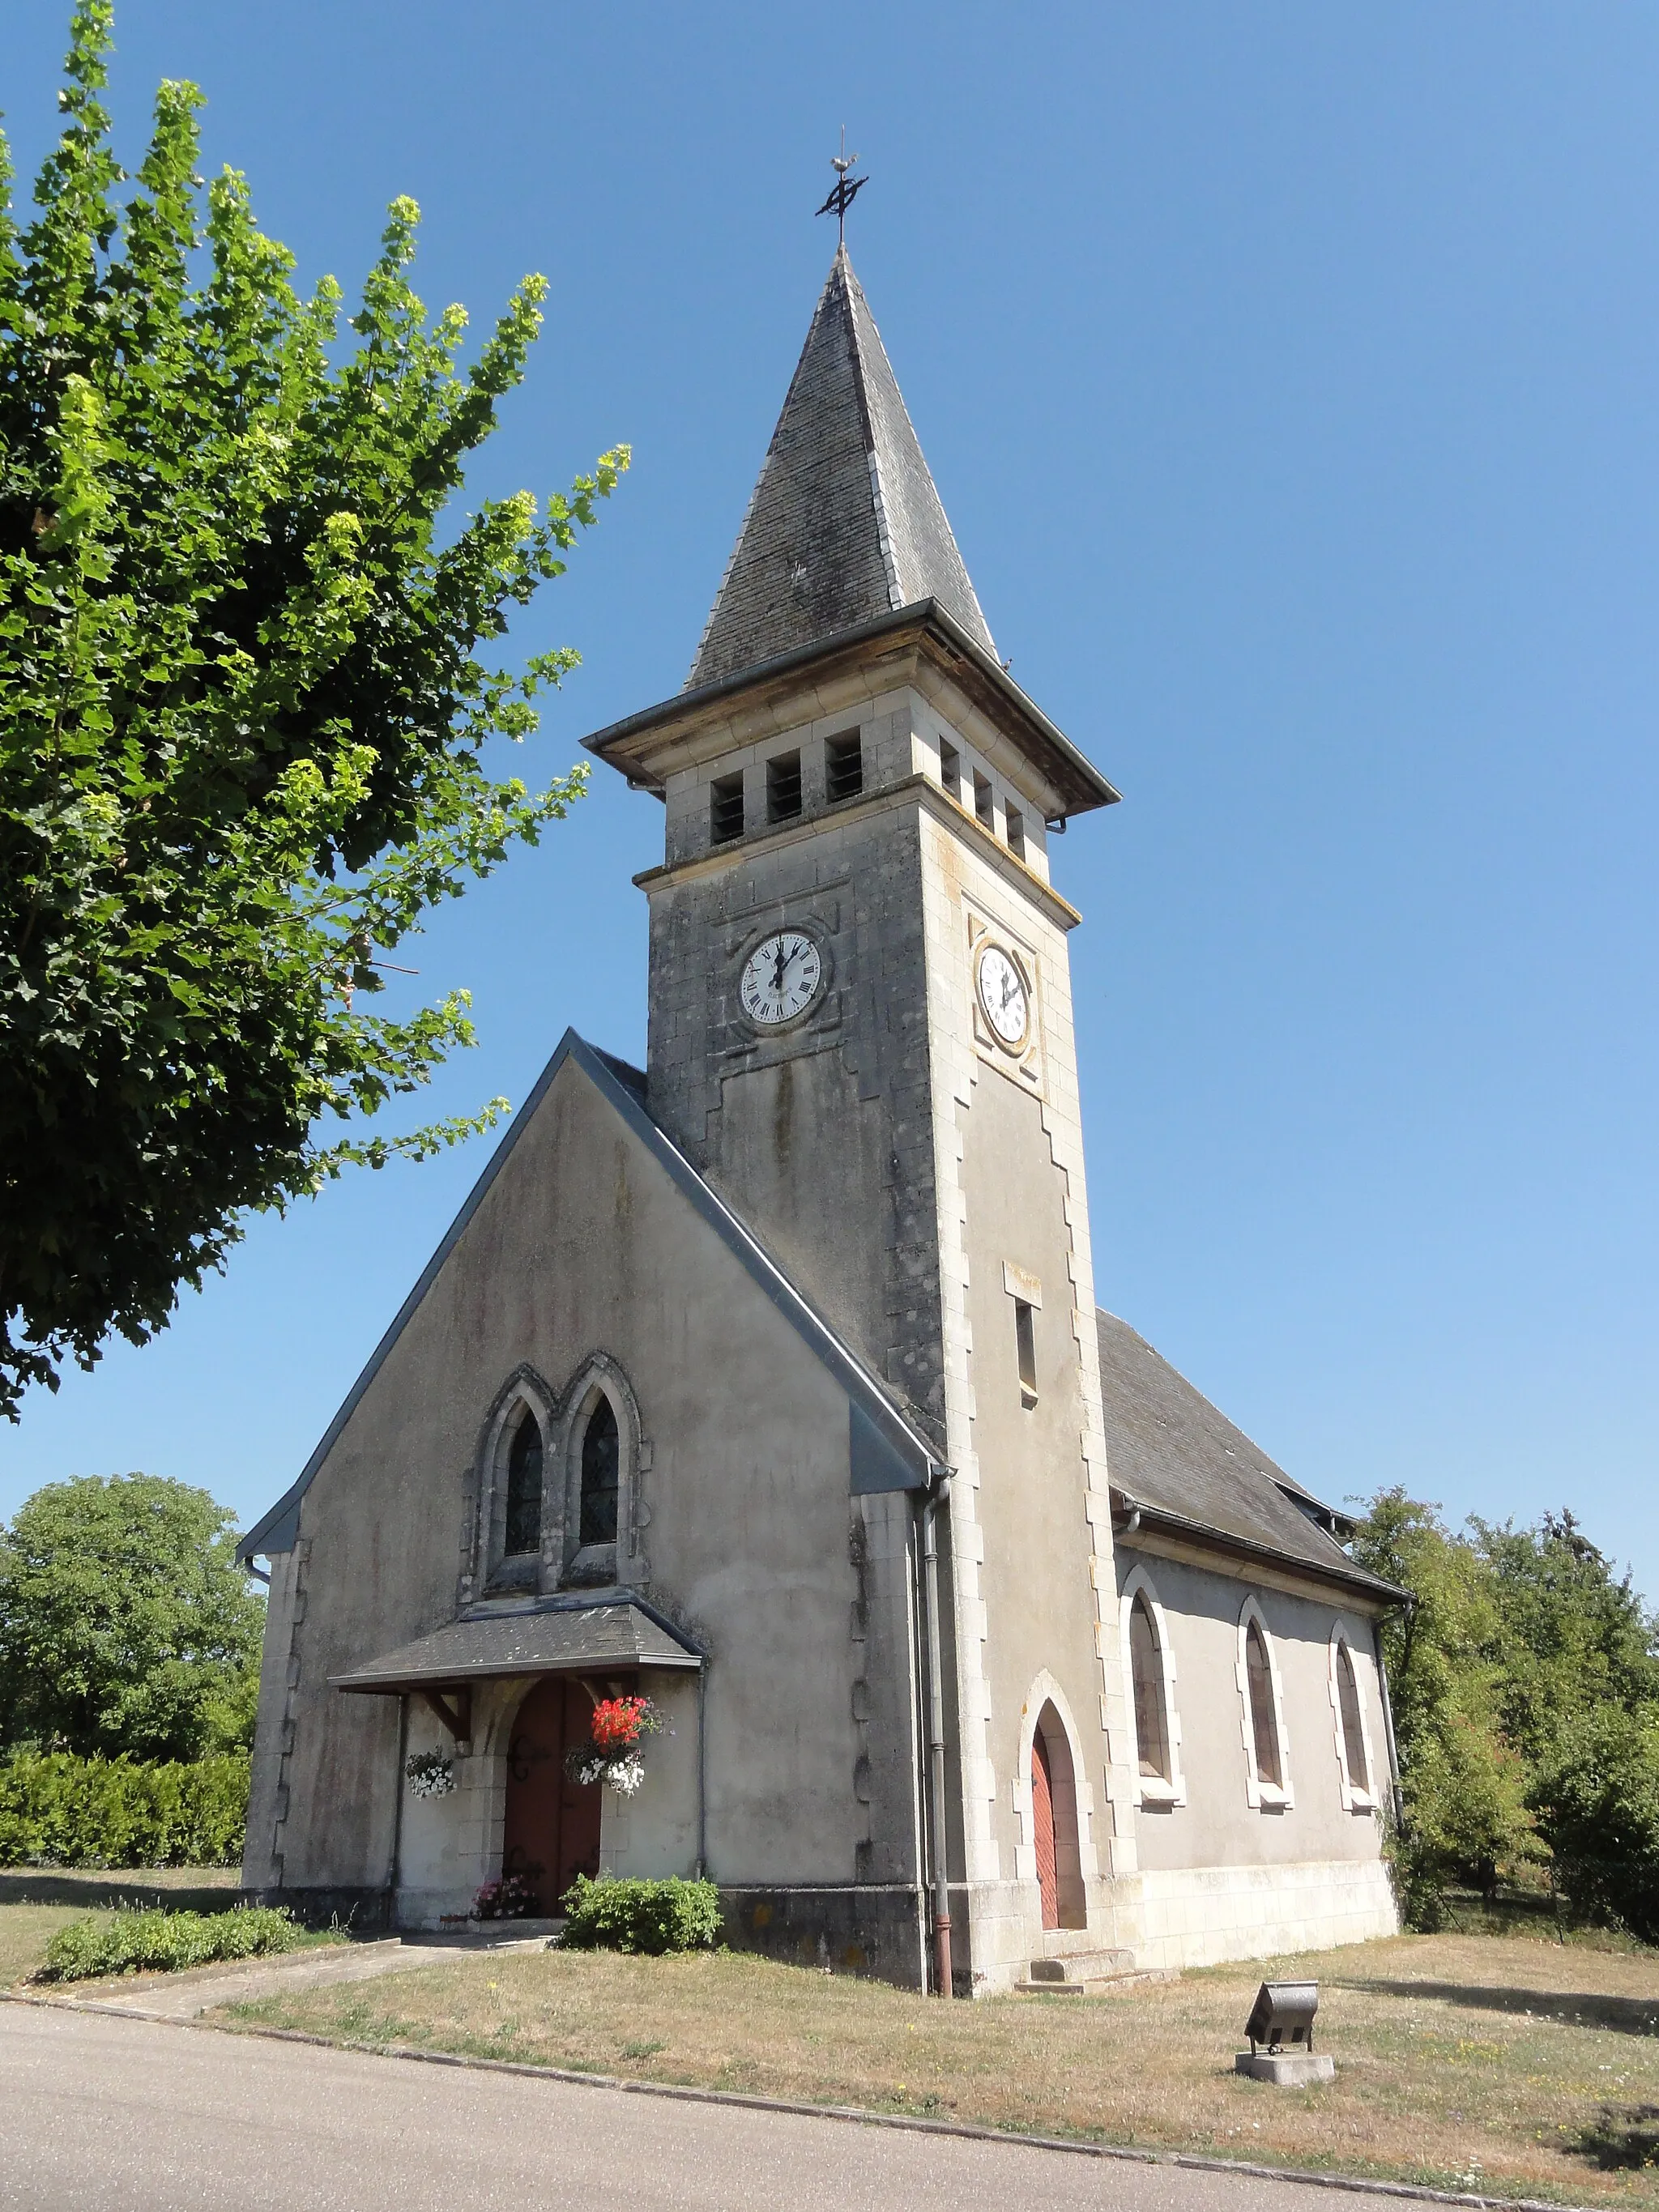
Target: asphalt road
{"type": "Point", "coordinates": [132, 2116]}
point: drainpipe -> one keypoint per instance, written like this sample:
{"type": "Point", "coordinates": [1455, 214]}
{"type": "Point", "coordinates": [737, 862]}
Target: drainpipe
{"type": "Point", "coordinates": [1388, 1724]}
{"type": "Point", "coordinates": [396, 1873]}
{"type": "Point", "coordinates": [937, 1495]}
{"type": "Point", "coordinates": [703, 1770]}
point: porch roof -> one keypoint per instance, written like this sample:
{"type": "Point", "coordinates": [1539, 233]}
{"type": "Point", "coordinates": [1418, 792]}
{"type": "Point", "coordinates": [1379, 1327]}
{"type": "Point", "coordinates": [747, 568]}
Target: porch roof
{"type": "Point", "coordinates": [558, 1636]}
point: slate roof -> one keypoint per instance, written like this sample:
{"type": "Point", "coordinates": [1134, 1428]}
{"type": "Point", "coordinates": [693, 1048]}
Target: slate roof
{"type": "Point", "coordinates": [554, 1636]}
{"type": "Point", "coordinates": [844, 524]}
{"type": "Point", "coordinates": [1178, 1458]}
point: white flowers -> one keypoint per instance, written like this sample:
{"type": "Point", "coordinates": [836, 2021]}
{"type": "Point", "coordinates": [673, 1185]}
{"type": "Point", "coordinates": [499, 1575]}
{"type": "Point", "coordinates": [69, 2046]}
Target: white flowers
{"type": "Point", "coordinates": [622, 1770]}
{"type": "Point", "coordinates": [431, 1774]}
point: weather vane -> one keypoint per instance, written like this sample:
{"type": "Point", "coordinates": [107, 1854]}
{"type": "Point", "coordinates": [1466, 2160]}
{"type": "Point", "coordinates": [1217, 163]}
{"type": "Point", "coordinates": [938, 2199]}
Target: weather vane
{"type": "Point", "coordinates": [846, 187]}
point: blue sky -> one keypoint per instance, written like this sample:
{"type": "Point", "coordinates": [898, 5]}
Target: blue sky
{"type": "Point", "coordinates": [1290, 378]}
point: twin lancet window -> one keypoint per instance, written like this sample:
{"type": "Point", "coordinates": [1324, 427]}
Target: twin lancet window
{"type": "Point", "coordinates": [599, 1486]}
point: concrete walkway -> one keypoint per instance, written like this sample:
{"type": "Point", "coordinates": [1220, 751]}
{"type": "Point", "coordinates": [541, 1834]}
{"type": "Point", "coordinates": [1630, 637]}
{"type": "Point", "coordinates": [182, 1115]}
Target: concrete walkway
{"type": "Point", "coordinates": [133, 2115]}
{"type": "Point", "coordinates": [184, 1997]}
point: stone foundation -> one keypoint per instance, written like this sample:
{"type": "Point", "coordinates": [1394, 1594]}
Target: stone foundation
{"type": "Point", "coordinates": [874, 1929]}
{"type": "Point", "coordinates": [1200, 1916]}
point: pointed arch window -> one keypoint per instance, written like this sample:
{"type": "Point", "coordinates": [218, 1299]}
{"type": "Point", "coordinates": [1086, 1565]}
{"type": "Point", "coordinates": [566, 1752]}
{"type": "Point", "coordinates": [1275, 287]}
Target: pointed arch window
{"type": "Point", "coordinates": [601, 1468]}
{"type": "Point", "coordinates": [1146, 1667]}
{"type": "Point", "coordinates": [1353, 1734]}
{"type": "Point", "coordinates": [1356, 1768]}
{"type": "Point", "coordinates": [1264, 1722]}
{"type": "Point", "coordinates": [522, 1531]}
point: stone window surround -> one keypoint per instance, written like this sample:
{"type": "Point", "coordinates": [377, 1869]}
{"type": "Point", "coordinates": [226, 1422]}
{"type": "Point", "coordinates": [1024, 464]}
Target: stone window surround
{"type": "Point", "coordinates": [560, 1416]}
{"type": "Point", "coordinates": [1264, 1797]}
{"type": "Point", "coordinates": [1153, 1790]}
{"type": "Point", "coordinates": [1353, 1800]}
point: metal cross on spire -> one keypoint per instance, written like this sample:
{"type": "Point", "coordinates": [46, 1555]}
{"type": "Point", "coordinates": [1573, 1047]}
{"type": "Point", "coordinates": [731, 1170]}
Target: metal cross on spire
{"type": "Point", "coordinates": [847, 188]}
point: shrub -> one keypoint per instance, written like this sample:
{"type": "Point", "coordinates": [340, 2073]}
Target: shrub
{"type": "Point", "coordinates": [156, 1940]}
{"type": "Point", "coordinates": [653, 1917]}
{"type": "Point", "coordinates": [58, 1810]}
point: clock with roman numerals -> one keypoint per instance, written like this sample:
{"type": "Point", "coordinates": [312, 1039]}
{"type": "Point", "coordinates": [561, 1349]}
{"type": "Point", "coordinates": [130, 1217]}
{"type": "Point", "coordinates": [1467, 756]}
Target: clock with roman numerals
{"type": "Point", "coordinates": [780, 978]}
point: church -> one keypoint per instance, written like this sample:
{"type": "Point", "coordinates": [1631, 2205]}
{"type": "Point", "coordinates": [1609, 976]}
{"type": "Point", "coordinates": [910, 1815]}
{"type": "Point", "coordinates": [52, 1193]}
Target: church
{"type": "Point", "coordinates": [767, 1382]}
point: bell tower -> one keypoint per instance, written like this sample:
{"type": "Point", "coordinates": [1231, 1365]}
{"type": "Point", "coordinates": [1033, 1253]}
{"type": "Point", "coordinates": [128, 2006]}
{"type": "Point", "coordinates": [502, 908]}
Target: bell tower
{"type": "Point", "coordinates": [861, 1032]}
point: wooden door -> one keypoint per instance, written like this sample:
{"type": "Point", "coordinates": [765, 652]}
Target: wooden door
{"type": "Point", "coordinates": [552, 1828]}
{"type": "Point", "coordinates": [1043, 1827]}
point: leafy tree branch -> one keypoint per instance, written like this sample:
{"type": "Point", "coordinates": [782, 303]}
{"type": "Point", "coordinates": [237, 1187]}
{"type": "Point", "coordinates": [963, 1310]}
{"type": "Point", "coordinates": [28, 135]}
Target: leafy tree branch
{"type": "Point", "coordinates": [245, 697]}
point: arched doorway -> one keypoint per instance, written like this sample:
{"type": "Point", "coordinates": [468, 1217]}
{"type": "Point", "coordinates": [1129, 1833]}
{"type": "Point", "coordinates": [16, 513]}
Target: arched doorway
{"type": "Point", "coordinates": [1055, 1826]}
{"type": "Point", "coordinates": [552, 1828]}
{"type": "Point", "coordinates": [1043, 1828]}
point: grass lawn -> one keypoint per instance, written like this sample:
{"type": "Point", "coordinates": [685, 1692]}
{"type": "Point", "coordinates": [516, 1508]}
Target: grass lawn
{"type": "Point", "coordinates": [36, 1901]}
{"type": "Point", "coordinates": [1521, 2068]}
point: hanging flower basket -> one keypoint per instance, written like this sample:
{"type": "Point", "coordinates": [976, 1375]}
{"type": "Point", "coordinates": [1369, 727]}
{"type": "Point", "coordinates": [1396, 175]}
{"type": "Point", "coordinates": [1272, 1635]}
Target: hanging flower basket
{"type": "Point", "coordinates": [613, 1755]}
{"type": "Point", "coordinates": [431, 1774]}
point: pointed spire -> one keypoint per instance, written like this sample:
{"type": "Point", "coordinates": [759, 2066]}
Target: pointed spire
{"type": "Point", "coordinates": [844, 524]}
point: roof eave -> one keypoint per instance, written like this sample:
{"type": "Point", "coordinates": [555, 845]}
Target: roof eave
{"type": "Point", "coordinates": [1072, 771]}
{"type": "Point", "coordinates": [1250, 1547]}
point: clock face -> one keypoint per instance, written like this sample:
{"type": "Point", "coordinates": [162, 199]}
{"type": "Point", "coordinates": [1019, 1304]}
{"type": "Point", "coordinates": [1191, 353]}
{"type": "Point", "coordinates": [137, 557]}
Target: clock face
{"type": "Point", "coordinates": [781, 977]}
{"type": "Point", "coordinates": [1002, 994]}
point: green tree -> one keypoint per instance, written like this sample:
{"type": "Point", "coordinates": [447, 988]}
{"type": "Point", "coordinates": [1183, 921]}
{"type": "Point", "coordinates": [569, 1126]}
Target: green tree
{"type": "Point", "coordinates": [242, 712]}
{"type": "Point", "coordinates": [1464, 1786]}
{"type": "Point", "coordinates": [1572, 1637]}
{"type": "Point", "coordinates": [125, 1622]}
{"type": "Point", "coordinates": [1525, 1680]}
{"type": "Point", "coordinates": [1597, 1802]}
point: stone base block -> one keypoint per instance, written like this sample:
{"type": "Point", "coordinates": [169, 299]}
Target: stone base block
{"type": "Point", "coordinates": [872, 1929]}
{"type": "Point", "coordinates": [1291, 2069]}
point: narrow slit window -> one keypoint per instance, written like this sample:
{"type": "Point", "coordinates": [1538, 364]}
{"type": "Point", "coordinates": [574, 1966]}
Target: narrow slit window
{"type": "Point", "coordinates": [1146, 1666]}
{"type": "Point", "coordinates": [523, 1531]}
{"type": "Point", "coordinates": [1264, 1725]}
{"type": "Point", "coordinates": [844, 767]}
{"type": "Point", "coordinates": [601, 1466]}
{"type": "Point", "coordinates": [1026, 1346]}
{"type": "Point", "coordinates": [726, 808]}
{"type": "Point", "coordinates": [783, 787]}
{"type": "Point", "coordinates": [1016, 822]}
{"type": "Point", "coordinates": [949, 768]}
{"type": "Point", "coordinates": [1353, 1734]}
{"type": "Point", "coordinates": [984, 804]}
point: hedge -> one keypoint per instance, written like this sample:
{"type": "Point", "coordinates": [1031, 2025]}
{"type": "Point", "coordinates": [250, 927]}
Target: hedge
{"type": "Point", "coordinates": [157, 1939]}
{"type": "Point", "coordinates": [58, 1810]}
{"type": "Point", "coordinates": [654, 1917]}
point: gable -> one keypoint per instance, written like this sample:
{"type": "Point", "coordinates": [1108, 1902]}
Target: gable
{"type": "Point", "coordinates": [886, 1453]}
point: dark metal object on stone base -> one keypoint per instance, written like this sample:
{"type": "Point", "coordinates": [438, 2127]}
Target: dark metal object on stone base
{"type": "Point", "coordinates": [1283, 2013]}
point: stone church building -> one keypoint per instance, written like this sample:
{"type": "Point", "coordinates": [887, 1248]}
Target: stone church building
{"type": "Point", "coordinates": [767, 1381]}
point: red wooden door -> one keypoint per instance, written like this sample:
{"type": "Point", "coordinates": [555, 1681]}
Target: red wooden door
{"type": "Point", "coordinates": [1043, 1826]}
{"type": "Point", "coordinates": [552, 1828]}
